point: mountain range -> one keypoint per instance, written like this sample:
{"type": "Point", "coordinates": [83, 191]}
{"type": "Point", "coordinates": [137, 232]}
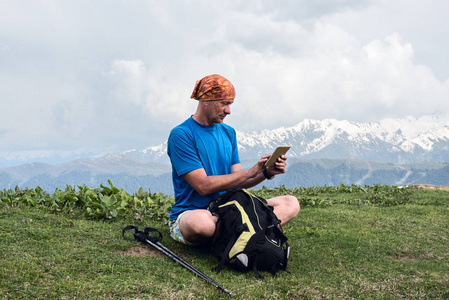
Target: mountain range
{"type": "Point", "coordinates": [328, 152]}
{"type": "Point", "coordinates": [402, 140]}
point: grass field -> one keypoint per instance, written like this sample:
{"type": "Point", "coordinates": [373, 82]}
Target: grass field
{"type": "Point", "coordinates": [342, 246]}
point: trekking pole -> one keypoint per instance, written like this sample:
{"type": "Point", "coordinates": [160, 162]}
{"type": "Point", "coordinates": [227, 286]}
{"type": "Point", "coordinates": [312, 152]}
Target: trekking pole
{"type": "Point", "coordinates": [147, 238]}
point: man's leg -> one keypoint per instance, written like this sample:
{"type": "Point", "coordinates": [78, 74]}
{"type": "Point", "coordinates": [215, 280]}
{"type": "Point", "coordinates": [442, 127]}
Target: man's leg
{"type": "Point", "coordinates": [198, 226]}
{"type": "Point", "coordinates": [285, 207]}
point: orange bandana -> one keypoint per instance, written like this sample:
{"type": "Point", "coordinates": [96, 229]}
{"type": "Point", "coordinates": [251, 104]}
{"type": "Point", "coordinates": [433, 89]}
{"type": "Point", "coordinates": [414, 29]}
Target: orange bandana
{"type": "Point", "coordinates": [213, 87]}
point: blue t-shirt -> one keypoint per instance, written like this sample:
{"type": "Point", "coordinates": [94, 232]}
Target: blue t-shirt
{"type": "Point", "coordinates": [194, 146]}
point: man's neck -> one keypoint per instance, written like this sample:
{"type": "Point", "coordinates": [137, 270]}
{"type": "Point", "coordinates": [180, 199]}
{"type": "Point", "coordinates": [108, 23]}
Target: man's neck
{"type": "Point", "coordinates": [201, 119]}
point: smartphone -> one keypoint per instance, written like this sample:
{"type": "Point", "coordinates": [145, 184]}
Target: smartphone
{"type": "Point", "coordinates": [280, 150]}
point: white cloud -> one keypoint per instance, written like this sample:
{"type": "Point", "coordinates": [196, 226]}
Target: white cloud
{"type": "Point", "coordinates": [421, 23]}
{"type": "Point", "coordinates": [132, 88]}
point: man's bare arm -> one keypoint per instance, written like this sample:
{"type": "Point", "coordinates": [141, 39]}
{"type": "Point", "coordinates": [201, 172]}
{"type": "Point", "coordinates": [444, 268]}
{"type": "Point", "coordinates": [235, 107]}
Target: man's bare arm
{"type": "Point", "coordinates": [249, 183]}
{"type": "Point", "coordinates": [205, 185]}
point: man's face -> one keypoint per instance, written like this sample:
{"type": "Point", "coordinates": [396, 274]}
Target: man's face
{"type": "Point", "coordinates": [217, 110]}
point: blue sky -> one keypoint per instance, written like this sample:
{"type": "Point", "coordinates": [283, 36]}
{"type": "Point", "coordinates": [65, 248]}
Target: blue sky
{"type": "Point", "coordinates": [105, 76]}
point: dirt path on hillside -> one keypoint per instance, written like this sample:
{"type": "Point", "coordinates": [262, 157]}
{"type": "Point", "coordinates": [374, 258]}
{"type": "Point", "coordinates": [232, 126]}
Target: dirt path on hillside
{"type": "Point", "coordinates": [432, 187]}
{"type": "Point", "coordinates": [367, 175]}
{"type": "Point", "coordinates": [407, 174]}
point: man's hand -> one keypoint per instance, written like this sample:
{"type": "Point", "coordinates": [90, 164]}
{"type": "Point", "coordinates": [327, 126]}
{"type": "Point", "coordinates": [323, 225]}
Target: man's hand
{"type": "Point", "coordinates": [279, 167]}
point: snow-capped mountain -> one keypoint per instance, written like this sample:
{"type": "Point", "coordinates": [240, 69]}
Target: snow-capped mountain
{"type": "Point", "coordinates": [155, 154]}
{"type": "Point", "coordinates": [402, 140]}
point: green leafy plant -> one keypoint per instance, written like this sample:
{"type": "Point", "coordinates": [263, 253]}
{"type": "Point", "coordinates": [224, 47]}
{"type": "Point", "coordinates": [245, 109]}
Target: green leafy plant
{"type": "Point", "coordinates": [109, 202]}
{"type": "Point", "coordinates": [320, 196]}
{"type": "Point", "coordinates": [106, 202]}
{"type": "Point", "coordinates": [388, 195]}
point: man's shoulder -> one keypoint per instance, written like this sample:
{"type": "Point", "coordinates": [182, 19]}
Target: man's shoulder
{"type": "Point", "coordinates": [182, 128]}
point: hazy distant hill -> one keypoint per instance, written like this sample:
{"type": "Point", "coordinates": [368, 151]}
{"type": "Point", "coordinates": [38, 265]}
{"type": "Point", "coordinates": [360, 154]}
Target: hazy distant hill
{"type": "Point", "coordinates": [361, 172]}
{"type": "Point", "coordinates": [130, 174]}
{"type": "Point", "coordinates": [125, 172]}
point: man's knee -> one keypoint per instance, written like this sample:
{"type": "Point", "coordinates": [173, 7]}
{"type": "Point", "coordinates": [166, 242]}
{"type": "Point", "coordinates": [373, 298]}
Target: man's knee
{"type": "Point", "coordinates": [202, 226]}
{"type": "Point", "coordinates": [293, 205]}
{"type": "Point", "coordinates": [285, 207]}
{"type": "Point", "coordinates": [198, 224]}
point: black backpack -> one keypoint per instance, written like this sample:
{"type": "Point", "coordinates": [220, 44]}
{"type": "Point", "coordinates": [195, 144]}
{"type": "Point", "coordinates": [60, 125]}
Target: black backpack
{"type": "Point", "coordinates": [248, 234]}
